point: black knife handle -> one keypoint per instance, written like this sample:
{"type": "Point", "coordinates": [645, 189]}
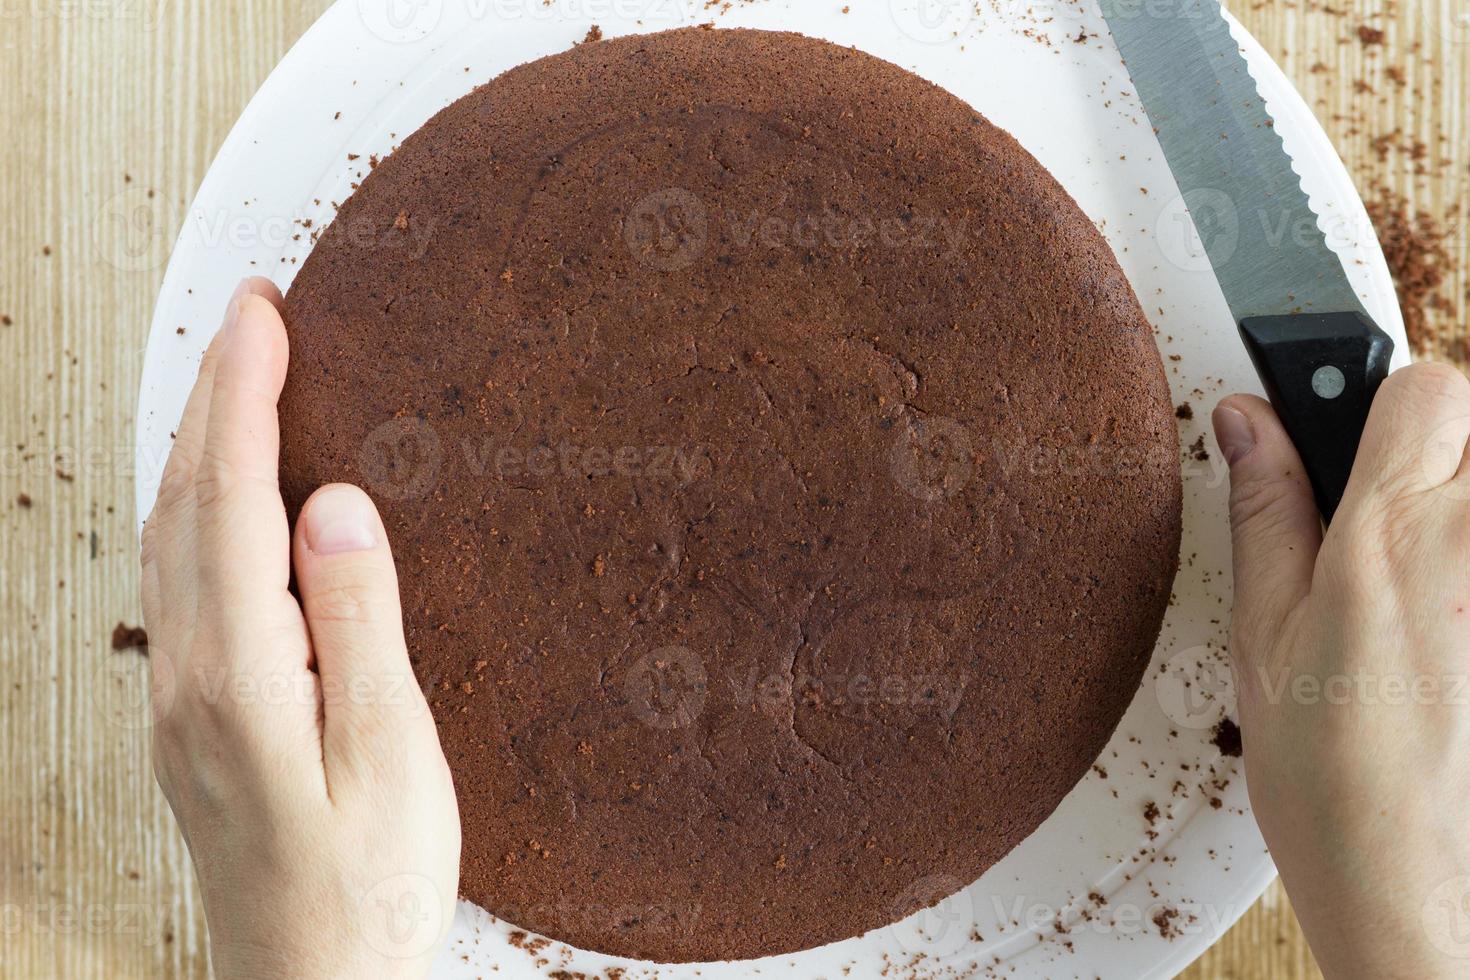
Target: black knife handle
{"type": "Point", "coordinates": [1321, 371]}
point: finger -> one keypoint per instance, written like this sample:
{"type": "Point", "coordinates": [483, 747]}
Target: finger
{"type": "Point", "coordinates": [170, 533]}
{"type": "Point", "coordinates": [349, 593]}
{"type": "Point", "coordinates": [161, 636]}
{"type": "Point", "coordinates": [244, 539]}
{"type": "Point", "coordinates": [1275, 528]}
{"type": "Point", "coordinates": [1415, 437]}
{"type": "Point", "coordinates": [188, 443]}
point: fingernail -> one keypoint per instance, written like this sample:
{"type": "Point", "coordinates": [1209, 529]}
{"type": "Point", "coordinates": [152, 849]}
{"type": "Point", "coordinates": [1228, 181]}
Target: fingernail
{"type": "Point", "coordinates": [1234, 433]}
{"type": "Point", "coordinates": [339, 521]}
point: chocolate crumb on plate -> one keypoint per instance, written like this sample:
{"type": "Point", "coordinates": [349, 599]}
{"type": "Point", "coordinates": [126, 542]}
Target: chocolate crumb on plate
{"type": "Point", "coordinates": [1227, 738]}
{"type": "Point", "coordinates": [1164, 920]}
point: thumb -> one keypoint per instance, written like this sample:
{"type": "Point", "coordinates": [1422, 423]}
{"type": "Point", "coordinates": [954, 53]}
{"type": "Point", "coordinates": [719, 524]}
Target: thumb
{"type": "Point", "coordinates": [1275, 528]}
{"type": "Point", "coordinates": [373, 707]}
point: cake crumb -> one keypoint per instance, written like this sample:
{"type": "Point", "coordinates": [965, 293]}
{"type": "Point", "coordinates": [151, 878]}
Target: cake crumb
{"type": "Point", "coordinates": [24, 500]}
{"type": "Point", "coordinates": [125, 637]}
{"type": "Point", "coordinates": [594, 33]}
{"type": "Point", "coordinates": [1370, 36]}
{"type": "Point", "coordinates": [1227, 739]}
{"type": "Point", "coordinates": [1416, 246]}
{"type": "Point", "coordinates": [1185, 411]}
{"type": "Point", "coordinates": [401, 222]}
{"type": "Point", "coordinates": [1164, 920]}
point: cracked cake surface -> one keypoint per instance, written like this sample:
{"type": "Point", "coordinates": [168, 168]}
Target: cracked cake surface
{"type": "Point", "coordinates": [781, 474]}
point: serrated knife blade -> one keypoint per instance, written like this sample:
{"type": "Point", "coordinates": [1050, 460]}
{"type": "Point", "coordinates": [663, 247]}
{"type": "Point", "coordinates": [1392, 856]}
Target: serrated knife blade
{"type": "Point", "coordinates": [1319, 354]}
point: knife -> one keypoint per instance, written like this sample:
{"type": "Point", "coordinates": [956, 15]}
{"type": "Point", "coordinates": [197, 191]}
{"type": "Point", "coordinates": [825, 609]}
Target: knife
{"type": "Point", "coordinates": [1319, 354]}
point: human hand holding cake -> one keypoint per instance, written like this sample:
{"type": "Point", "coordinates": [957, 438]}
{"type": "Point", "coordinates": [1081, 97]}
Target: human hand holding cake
{"type": "Point", "coordinates": [1347, 656]}
{"type": "Point", "coordinates": [290, 737]}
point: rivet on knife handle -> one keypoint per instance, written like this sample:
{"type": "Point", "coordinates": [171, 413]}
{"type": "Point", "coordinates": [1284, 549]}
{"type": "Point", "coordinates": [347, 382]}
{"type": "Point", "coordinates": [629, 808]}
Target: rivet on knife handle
{"type": "Point", "coordinates": [1321, 371]}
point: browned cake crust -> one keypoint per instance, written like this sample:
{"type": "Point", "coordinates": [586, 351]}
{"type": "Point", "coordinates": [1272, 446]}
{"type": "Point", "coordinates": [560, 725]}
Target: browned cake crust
{"type": "Point", "coordinates": [781, 473]}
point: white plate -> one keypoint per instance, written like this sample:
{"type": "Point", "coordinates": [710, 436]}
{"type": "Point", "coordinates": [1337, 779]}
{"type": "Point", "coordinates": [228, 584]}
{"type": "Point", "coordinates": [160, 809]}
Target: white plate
{"type": "Point", "coordinates": [371, 71]}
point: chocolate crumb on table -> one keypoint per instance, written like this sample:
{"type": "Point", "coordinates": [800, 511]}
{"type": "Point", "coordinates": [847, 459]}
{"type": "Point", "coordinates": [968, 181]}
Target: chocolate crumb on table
{"type": "Point", "coordinates": [1370, 36]}
{"type": "Point", "coordinates": [1197, 450]}
{"type": "Point", "coordinates": [125, 637]}
{"type": "Point", "coordinates": [24, 501]}
{"type": "Point", "coordinates": [1185, 411]}
{"type": "Point", "coordinates": [1416, 246]}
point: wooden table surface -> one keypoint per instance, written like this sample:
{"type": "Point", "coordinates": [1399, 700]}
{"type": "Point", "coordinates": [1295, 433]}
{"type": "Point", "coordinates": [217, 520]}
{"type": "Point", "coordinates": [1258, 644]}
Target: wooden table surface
{"type": "Point", "coordinates": [111, 110]}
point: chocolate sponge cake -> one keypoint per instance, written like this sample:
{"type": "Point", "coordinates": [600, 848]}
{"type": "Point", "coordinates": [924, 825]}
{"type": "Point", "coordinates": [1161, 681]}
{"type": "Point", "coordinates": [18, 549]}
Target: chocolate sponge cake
{"type": "Point", "coordinates": [781, 474]}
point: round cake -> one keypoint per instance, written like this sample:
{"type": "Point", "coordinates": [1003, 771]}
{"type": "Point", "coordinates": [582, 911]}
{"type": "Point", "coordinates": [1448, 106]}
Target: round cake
{"type": "Point", "coordinates": [781, 473]}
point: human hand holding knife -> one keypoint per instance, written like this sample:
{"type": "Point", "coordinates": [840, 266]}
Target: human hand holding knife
{"type": "Point", "coordinates": [1351, 649]}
